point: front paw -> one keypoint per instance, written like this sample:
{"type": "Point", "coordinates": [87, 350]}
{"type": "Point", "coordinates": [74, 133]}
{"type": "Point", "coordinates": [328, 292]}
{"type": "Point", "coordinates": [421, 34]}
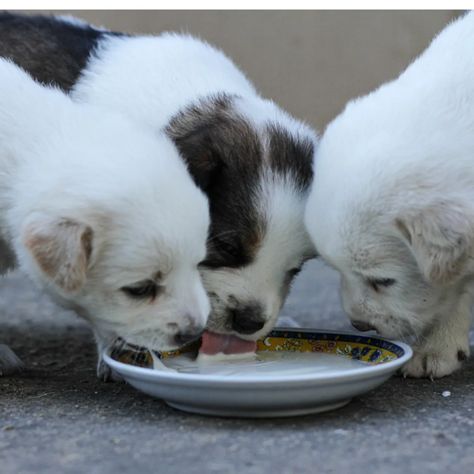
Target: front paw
{"type": "Point", "coordinates": [106, 374]}
{"type": "Point", "coordinates": [9, 362]}
{"type": "Point", "coordinates": [435, 364]}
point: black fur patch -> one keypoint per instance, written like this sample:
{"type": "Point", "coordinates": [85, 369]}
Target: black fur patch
{"type": "Point", "coordinates": [291, 156]}
{"type": "Point", "coordinates": [51, 50]}
{"type": "Point", "coordinates": [226, 158]}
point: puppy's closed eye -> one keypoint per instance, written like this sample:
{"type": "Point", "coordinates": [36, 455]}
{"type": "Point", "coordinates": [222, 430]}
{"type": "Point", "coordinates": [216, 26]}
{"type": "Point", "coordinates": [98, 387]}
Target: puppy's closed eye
{"type": "Point", "coordinates": [147, 289]}
{"type": "Point", "coordinates": [377, 283]}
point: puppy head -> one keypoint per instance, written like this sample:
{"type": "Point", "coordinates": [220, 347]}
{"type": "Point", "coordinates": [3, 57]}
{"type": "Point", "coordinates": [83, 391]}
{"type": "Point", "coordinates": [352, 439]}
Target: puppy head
{"type": "Point", "coordinates": [125, 274]}
{"type": "Point", "coordinates": [249, 287]}
{"type": "Point", "coordinates": [375, 214]}
{"type": "Point", "coordinates": [399, 276]}
{"type": "Point", "coordinates": [255, 164]}
{"type": "Point", "coordinates": [145, 286]}
{"type": "Point", "coordinates": [108, 220]}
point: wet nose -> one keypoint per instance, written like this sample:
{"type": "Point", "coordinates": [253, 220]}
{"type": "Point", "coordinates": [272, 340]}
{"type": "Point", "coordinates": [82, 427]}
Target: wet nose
{"type": "Point", "coordinates": [247, 319]}
{"type": "Point", "coordinates": [362, 326]}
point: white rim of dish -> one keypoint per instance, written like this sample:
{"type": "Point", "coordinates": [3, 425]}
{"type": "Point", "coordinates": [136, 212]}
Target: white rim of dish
{"type": "Point", "coordinates": [340, 375]}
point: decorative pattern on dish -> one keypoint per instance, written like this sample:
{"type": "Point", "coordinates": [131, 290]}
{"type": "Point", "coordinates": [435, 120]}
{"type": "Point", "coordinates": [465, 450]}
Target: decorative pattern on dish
{"type": "Point", "coordinates": [142, 357]}
{"type": "Point", "coordinates": [371, 350]}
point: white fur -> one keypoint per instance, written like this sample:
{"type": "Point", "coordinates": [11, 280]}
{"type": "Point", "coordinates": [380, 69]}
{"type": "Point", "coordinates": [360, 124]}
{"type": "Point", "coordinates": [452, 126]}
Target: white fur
{"type": "Point", "coordinates": [150, 79]}
{"type": "Point", "coordinates": [393, 198]}
{"type": "Point", "coordinates": [66, 168]}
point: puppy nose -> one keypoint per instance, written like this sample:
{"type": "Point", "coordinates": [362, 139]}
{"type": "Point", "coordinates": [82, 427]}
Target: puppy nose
{"type": "Point", "coordinates": [362, 326]}
{"type": "Point", "coordinates": [247, 319]}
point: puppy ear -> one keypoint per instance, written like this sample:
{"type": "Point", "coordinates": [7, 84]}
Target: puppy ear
{"type": "Point", "coordinates": [62, 250]}
{"type": "Point", "coordinates": [211, 137]}
{"type": "Point", "coordinates": [440, 238]}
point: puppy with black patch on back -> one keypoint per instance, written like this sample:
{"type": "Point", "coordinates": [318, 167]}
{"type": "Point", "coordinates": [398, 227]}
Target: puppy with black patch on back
{"type": "Point", "coordinates": [392, 204]}
{"type": "Point", "coordinates": [101, 214]}
{"type": "Point", "coordinates": [252, 159]}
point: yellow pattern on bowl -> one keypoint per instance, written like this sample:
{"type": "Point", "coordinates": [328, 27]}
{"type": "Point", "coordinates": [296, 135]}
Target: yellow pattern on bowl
{"type": "Point", "coordinates": [371, 350]}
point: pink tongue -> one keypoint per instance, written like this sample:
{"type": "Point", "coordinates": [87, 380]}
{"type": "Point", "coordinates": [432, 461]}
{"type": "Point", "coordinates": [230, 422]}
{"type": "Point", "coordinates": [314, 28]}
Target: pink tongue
{"type": "Point", "coordinates": [213, 343]}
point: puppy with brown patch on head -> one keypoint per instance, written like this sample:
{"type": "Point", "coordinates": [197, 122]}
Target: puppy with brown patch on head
{"type": "Point", "coordinates": [102, 215]}
{"type": "Point", "coordinates": [392, 204]}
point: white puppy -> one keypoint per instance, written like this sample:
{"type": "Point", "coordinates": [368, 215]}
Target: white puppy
{"type": "Point", "coordinates": [392, 204]}
{"type": "Point", "coordinates": [101, 214]}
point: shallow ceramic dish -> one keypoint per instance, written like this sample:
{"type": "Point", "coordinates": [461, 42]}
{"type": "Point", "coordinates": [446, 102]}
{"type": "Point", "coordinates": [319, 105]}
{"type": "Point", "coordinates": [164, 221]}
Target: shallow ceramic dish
{"type": "Point", "coordinates": [297, 372]}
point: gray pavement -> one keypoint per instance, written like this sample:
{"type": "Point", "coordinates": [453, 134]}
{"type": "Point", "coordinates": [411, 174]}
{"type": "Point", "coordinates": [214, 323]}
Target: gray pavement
{"type": "Point", "coordinates": [56, 417]}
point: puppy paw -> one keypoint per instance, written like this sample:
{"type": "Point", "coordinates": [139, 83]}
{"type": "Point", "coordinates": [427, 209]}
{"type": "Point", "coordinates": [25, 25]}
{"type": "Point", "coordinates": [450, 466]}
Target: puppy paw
{"type": "Point", "coordinates": [435, 364]}
{"type": "Point", "coordinates": [9, 362]}
{"type": "Point", "coordinates": [106, 374]}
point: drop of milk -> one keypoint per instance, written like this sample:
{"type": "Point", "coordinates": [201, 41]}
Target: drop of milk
{"type": "Point", "coordinates": [267, 364]}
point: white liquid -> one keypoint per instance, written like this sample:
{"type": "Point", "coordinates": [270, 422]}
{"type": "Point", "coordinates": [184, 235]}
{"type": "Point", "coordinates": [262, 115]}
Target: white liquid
{"type": "Point", "coordinates": [266, 364]}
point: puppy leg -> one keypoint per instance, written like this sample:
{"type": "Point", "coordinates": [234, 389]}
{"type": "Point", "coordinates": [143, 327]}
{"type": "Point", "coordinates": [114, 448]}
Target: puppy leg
{"type": "Point", "coordinates": [9, 362]}
{"type": "Point", "coordinates": [444, 349]}
{"type": "Point", "coordinates": [104, 372]}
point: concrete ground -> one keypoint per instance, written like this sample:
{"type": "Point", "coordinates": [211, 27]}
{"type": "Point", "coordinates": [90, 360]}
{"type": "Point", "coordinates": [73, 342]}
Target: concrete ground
{"type": "Point", "coordinates": [57, 418]}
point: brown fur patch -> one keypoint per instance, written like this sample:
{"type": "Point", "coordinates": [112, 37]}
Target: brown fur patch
{"type": "Point", "coordinates": [62, 250]}
{"type": "Point", "coordinates": [225, 157]}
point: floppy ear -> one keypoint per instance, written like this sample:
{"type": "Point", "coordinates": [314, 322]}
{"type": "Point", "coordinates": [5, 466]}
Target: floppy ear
{"type": "Point", "coordinates": [440, 237]}
{"type": "Point", "coordinates": [210, 136]}
{"type": "Point", "coordinates": [62, 250]}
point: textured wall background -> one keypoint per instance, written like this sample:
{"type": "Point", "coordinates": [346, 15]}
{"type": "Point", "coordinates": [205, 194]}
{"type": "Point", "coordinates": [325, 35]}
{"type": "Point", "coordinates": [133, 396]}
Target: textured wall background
{"type": "Point", "coordinates": [310, 62]}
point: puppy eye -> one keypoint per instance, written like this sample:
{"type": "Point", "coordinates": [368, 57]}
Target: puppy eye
{"type": "Point", "coordinates": [142, 290]}
{"type": "Point", "coordinates": [376, 283]}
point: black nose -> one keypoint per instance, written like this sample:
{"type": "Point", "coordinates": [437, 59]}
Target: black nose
{"type": "Point", "coordinates": [362, 326]}
{"type": "Point", "coordinates": [247, 319]}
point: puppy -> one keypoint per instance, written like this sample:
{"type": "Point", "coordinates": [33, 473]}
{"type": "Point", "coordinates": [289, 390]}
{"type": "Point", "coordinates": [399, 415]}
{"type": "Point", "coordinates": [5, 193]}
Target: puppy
{"type": "Point", "coordinates": [101, 215]}
{"type": "Point", "coordinates": [392, 202]}
{"type": "Point", "coordinates": [251, 158]}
